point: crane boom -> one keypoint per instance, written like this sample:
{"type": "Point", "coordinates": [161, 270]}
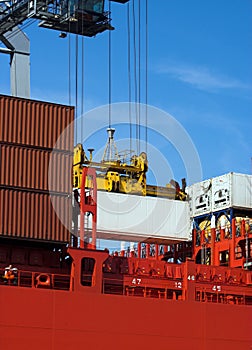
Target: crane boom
{"type": "Point", "coordinates": [56, 14]}
{"type": "Point", "coordinates": [82, 17]}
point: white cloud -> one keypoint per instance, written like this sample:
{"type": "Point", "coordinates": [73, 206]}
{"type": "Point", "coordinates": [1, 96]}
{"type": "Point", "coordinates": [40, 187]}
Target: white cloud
{"type": "Point", "coordinates": [201, 77]}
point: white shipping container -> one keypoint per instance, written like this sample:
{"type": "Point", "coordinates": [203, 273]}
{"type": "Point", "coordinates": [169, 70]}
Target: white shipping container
{"type": "Point", "coordinates": [200, 198]}
{"type": "Point", "coordinates": [138, 218]}
{"type": "Point", "coordinates": [232, 190]}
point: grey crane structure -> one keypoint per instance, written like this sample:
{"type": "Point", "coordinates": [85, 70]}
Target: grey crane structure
{"type": "Point", "coordinates": [82, 17]}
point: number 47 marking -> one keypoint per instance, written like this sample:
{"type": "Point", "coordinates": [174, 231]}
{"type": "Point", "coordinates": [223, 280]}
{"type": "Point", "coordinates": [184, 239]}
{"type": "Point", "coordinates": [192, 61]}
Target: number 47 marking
{"type": "Point", "coordinates": [136, 281]}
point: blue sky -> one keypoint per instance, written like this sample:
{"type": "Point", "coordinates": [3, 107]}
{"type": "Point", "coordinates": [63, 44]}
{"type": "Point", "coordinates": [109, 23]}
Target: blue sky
{"type": "Point", "coordinates": [199, 71]}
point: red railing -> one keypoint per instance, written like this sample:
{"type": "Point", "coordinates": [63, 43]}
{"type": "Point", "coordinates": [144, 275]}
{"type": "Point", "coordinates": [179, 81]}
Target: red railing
{"type": "Point", "coordinates": [36, 280]}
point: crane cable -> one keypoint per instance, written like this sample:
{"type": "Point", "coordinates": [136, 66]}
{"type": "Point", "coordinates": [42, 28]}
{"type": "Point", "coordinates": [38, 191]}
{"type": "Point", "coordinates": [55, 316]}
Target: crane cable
{"type": "Point", "coordinates": [82, 87]}
{"type": "Point", "coordinates": [146, 76]}
{"type": "Point", "coordinates": [139, 73]}
{"type": "Point", "coordinates": [69, 64]}
{"type": "Point", "coordinates": [109, 69]}
{"type": "Point", "coordinates": [136, 87]}
{"type": "Point", "coordinates": [82, 81]}
{"type": "Point", "coordinates": [135, 72]}
{"type": "Point", "coordinates": [76, 80]}
{"type": "Point", "coordinates": [81, 107]}
{"type": "Point", "coordinates": [76, 76]}
{"type": "Point", "coordinates": [129, 76]}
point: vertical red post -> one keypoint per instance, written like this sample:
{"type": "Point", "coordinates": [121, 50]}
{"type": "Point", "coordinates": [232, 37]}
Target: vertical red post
{"type": "Point", "coordinates": [202, 237]}
{"type": "Point", "coordinates": [88, 204]}
{"type": "Point", "coordinates": [194, 233]}
{"type": "Point", "coordinates": [139, 250]}
{"type": "Point", "coordinates": [243, 231]}
{"type": "Point", "coordinates": [213, 238]}
{"type": "Point", "coordinates": [222, 234]}
{"type": "Point", "coordinates": [232, 245]}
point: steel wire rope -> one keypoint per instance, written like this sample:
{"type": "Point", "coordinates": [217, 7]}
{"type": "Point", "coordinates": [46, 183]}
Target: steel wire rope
{"type": "Point", "coordinates": [146, 76]}
{"type": "Point", "coordinates": [15, 72]}
{"type": "Point", "coordinates": [69, 64]}
{"type": "Point", "coordinates": [109, 70]}
{"type": "Point", "coordinates": [129, 75]}
{"type": "Point", "coordinates": [139, 72]}
{"type": "Point", "coordinates": [135, 72]}
{"type": "Point", "coordinates": [76, 81]}
{"type": "Point", "coordinates": [82, 83]}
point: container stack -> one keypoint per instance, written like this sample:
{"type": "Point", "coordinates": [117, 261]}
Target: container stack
{"type": "Point", "coordinates": [221, 213]}
{"type": "Point", "coordinates": [29, 131]}
{"type": "Point", "coordinates": [224, 192]}
{"type": "Point", "coordinates": [222, 198]}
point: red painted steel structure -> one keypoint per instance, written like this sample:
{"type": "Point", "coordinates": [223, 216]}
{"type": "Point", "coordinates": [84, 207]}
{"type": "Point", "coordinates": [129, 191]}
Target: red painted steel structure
{"type": "Point", "coordinates": [123, 308]}
{"type": "Point", "coordinates": [235, 243]}
{"type": "Point", "coordinates": [104, 301]}
{"type": "Point", "coordinates": [143, 303]}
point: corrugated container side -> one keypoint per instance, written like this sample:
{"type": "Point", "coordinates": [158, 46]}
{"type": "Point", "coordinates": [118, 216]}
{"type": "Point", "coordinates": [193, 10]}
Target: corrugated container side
{"type": "Point", "coordinates": [140, 218]}
{"type": "Point", "coordinates": [232, 190]}
{"type": "Point", "coordinates": [60, 172]}
{"type": "Point", "coordinates": [221, 192]}
{"type": "Point", "coordinates": [35, 123]}
{"type": "Point", "coordinates": [28, 134]}
{"type": "Point", "coordinates": [31, 215]}
{"type": "Point", "coordinates": [201, 195]}
{"type": "Point", "coordinates": [29, 168]}
{"type": "Point", "coordinates": [242, 191]}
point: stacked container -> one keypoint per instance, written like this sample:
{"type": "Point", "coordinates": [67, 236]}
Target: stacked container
{"type": "Point", "coordinates": [231, 190]}
{"type": "Point", "coordinates": [29, 131]}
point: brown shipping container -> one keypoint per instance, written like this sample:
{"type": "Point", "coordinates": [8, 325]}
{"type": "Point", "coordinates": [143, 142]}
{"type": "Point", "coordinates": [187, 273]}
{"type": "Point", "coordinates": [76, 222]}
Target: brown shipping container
{"type": "Point", "coordinates": [25, 167]}
{"type": "Point", "coordinates": [29, 215]}
{"type": "Point", "coordinates": [35, 123]}
{"type": "Point", "coordinates": [28, 133]}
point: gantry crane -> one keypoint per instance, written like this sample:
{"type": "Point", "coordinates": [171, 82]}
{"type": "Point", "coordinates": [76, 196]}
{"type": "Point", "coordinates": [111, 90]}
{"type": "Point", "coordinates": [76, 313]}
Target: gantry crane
{"type": "Point", "coordinates": [82, 17]}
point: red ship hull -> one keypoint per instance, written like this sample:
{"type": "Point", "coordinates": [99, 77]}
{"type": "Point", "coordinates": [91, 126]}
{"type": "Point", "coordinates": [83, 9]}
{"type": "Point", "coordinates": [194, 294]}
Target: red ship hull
{"type": "Point", "coordinates": [59, 320]}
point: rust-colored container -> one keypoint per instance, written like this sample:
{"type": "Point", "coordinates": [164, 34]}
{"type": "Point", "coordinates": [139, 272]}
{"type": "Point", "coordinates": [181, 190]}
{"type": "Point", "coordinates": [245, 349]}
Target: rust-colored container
{"type": "Point", "coordinates": [35, 123]}
{"type": "Point", "coordinates": [34, 169]}
{"type": "Point", "coordinates": [25, 167]}
{"type": "Point", "coordinates": [29, 215]}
